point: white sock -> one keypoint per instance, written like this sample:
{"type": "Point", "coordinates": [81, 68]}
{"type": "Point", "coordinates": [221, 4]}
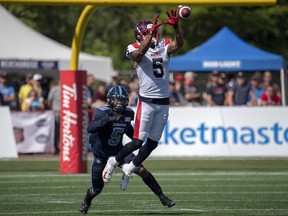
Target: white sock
{"type": "Point", "coordinates": [131, 166]}
{"type": "Point", "coordinates": [113, 161]}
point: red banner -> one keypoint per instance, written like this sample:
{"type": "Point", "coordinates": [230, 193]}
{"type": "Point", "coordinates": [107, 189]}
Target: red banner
{"type": "Point", "coordinates": [74, 122]}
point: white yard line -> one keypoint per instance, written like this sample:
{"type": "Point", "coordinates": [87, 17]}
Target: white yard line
{"type": "Point", "coordinates": [144, 186]}
{"type": "Point", "coordinates": [208, 173]}
{"type": "Point", "coordinates": [175, 210]}
{"type": "Point", "coordinates": [121, 193]}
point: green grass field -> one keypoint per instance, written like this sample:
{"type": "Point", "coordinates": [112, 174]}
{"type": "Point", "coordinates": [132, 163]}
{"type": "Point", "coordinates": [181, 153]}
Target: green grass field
{"type": "Point", "coordinates": [200, 186]}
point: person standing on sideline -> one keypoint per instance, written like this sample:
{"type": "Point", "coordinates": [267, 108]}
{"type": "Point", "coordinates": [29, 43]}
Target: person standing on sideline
{"type": "Point", "coordinates": [150, 57]}
{"type": "Point", "coordinates": [54, 104]}
{"type": "Point", "coordinates": [8, 93]}
{"type": "Point", "coordinates": [106, 131]}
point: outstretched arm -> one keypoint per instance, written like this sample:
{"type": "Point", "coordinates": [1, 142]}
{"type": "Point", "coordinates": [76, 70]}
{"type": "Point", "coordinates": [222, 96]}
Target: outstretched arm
{"type": "Point", "coordinates": [175, 45]}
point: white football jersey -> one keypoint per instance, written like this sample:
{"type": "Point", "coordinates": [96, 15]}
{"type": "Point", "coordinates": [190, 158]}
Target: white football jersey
{"type": "Point", "coordinates": [153, 70]}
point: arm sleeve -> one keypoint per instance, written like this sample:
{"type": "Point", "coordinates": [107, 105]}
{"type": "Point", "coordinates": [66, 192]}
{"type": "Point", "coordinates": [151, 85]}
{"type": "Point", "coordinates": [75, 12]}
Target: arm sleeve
{"type": "Point", "coordinates": [99, 120]}
{"type": "Point", "coordinates": [130, 131]}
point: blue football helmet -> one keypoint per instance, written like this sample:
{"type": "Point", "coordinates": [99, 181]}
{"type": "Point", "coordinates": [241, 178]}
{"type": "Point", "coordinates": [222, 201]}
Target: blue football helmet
{"type": "Point", "coordinates": [117, 98]}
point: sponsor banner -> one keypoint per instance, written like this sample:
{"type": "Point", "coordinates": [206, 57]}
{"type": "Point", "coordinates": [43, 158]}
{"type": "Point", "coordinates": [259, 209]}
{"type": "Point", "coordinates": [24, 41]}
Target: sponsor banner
{"type": "Point", "coordinates": [17, 64]}
{"type": "Point", "coordinates": [7, 140]}
{"type": "Point", "coordinates": [232, 64]}
{"type": "Point", "coordinates": [227, 131]}
{"type": "Point", "coordinates": [74, 122]}
{"type": "Point", "coordinates": [33, 131]}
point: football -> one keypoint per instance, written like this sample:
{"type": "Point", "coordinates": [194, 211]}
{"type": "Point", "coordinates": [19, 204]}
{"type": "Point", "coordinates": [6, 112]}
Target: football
{"type": "Point", "coordinates": [184, 12]}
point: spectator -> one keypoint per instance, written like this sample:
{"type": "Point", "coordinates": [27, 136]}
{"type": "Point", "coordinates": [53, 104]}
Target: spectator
{"type": "Point", "coordinates": [257, 88]}
{"type": "Point", "coordinates": [90, 84]}
{"type": "Point", "coordinates": [192, 94]}
{"type": "Point", "coordinates": [268, 81]}
{"type": "Point", "coordinates": [8, 93]}
{"type": "Point", "coordinates": [180, 87]}
{"type": "Point", "coordinates": [36, 83]}
{"type": "Point", "coordinates": [173, 94]}
{"type": "Point", "coordinates": [270, 97]}
{"type": "Point", "coordinates": [1, 100]}
{"type": "Point", "coordinates": [133, 96]}
{"type": "Point", "coordinates": [34, 102]}
{"type": "Point", "coordinates": [54, 104]}
{"type": "Point", "coordinates": [216, 93]}
{"type": "Point", "coordinates": [32, 82]}
{"type": "Point", "coordinates": [116, 80]}
{"type": "Point", "coordinates": [100, 97]}
{"type": "Point", "coordinates": [238, 94]}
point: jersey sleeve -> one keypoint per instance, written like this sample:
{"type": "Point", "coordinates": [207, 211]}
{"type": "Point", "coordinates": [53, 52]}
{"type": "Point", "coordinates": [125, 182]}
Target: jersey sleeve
{"type": "Point", "coordinates": [130, 113]}
{"type": "Point", "coordinates": [100, 118]}
{"type": "Point", "coordinates": [130, 49]}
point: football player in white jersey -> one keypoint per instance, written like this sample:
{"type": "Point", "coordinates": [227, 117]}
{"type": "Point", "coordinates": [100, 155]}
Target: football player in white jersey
{"type": "Point", "coordinates": [150, 58]}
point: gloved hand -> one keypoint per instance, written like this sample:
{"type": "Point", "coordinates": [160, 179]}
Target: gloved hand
{"type": "Point", "coordinates": [155, 24]}
{"type": "Point", "coordinates": [173, 18]}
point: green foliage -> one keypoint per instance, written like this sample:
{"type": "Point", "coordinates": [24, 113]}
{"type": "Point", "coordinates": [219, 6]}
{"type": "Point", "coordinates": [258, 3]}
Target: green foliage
{"type": "Point", "coordinates": [110, 29]}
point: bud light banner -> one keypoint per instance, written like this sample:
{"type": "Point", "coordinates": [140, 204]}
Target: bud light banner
{"type": "Point", "coordinates": [242, 131]}
{"type": "Point", "coordinates": [74, 122]}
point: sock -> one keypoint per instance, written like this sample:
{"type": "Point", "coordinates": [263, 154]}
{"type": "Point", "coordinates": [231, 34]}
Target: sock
{"type": "Point", "coordinates": [89, 197]}
{"type": "Point", "coordinates": [113, 161]}
{"type": "Point", "coordinates": [131, 166]}
{"type": "Point", "coordinates": [151, 182]}
{"type": "Point", "coordinates": [145, 151]}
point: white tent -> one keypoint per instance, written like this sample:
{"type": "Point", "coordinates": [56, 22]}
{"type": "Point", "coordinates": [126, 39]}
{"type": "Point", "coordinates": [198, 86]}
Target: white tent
{"type": "Point", "coordinates": [22, 48]}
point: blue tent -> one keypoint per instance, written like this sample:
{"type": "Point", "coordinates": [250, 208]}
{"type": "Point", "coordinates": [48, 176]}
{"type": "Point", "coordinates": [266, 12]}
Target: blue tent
{"type": "Point", "coordinates": [225, 51]}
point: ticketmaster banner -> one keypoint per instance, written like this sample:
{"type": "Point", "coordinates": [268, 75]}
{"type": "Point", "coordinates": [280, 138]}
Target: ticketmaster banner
{"type": "Point", "coordinates": [242, 131]}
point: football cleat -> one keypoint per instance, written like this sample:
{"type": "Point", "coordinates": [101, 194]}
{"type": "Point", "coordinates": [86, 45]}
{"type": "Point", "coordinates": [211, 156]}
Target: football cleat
{"type": "Point", "coordinates": [166, 201]}
{"type": "Point", "coordinates": [124, 181]}
{"type": "Point", "coordinates": [108, 170]}
{"type": "Point", "coordinates": [84, 208]}
{"type": "Point", "coordinates": [127, 171]}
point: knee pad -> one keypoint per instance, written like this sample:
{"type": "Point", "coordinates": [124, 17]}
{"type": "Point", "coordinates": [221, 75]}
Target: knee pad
{"type": "Point", "coordinates": [151, 144]}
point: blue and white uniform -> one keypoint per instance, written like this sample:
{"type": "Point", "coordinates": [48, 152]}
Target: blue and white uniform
{"type": "Point", "coordinates": [105, 140]}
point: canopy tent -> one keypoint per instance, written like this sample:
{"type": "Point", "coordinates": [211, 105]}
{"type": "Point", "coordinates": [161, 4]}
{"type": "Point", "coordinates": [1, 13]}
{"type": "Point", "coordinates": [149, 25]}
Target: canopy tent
{"type": "Point", "coordinates": [225, 51]}
{"type": "Point", "coordinates": [22, 48]}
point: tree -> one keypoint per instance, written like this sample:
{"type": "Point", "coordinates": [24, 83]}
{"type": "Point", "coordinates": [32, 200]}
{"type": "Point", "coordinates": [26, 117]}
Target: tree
{"type": "Point", "coordinates": [111, 29]}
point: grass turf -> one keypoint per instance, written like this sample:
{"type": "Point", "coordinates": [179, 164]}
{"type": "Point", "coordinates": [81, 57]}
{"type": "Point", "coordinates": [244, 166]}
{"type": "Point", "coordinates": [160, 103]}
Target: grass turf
{"type": "Point", "coordinates": [200, 186]}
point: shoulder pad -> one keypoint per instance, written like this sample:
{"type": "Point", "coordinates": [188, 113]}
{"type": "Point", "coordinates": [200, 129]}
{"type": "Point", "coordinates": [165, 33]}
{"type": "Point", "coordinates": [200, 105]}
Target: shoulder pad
{"type": "Point", "coordinates": [103, 109]}
{"type": "Point", "coordinates": [129, 112]}
{"type": "Point", "coordinates": [167, 41]}
{"type": "Point", "coordinates": [135, 45]}
{"type": "Point", "coordinates": [131, 48]}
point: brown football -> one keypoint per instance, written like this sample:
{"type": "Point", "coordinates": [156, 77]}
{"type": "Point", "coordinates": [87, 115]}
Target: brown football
{"type": "Point", "coordinates": [184, 12]}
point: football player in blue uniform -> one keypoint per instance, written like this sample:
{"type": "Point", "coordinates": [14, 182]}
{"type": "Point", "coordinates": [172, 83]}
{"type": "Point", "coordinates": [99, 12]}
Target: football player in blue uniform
{"type": "Point", "coordinates": [106, 131]}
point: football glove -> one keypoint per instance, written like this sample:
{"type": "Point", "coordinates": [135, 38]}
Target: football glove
{"type": "Point", "coordinates": [155, 24]}
{"type": "Point", "coordinates": [173, 18]}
